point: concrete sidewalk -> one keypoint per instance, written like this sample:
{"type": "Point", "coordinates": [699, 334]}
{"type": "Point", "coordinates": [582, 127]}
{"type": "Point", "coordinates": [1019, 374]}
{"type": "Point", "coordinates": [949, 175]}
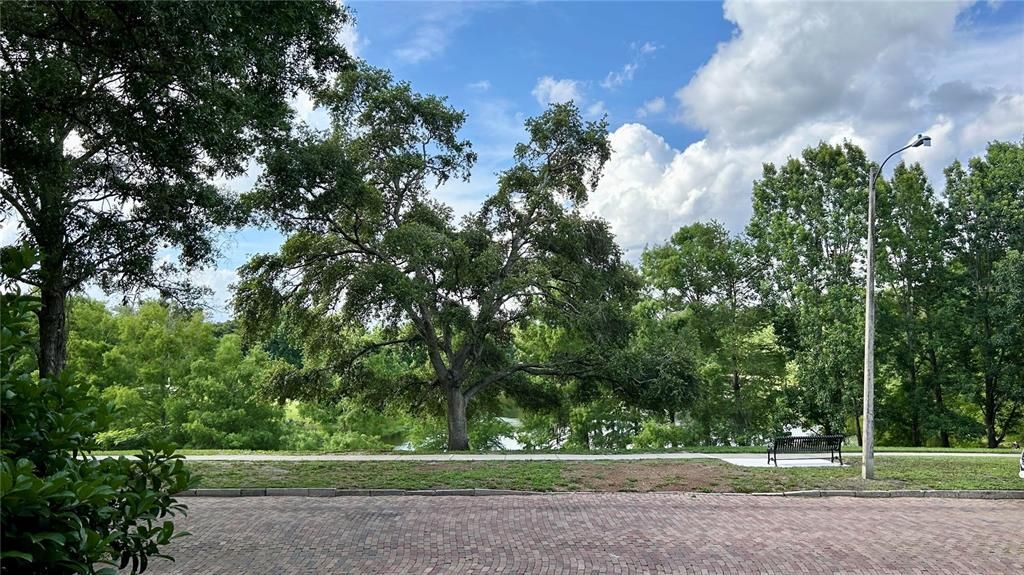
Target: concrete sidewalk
{"type": "Point", "coordinates": [743, 459]}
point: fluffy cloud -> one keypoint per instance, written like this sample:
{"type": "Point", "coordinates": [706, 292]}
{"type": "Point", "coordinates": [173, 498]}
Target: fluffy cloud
{"type": "Point", "coordinates": [649, 188]}
{"type": "Point", "coordinates": [551, 91]}
{"type": "Point", "coordinates": [803, 61]}
{"type": "Point", "coordinates": [796, 74]}
{"type": "Point", "coordinates": [647, 48]}
{"type": "Point", "coordinates": [351, 40]}
{"type": "Point", "coordinates": [429, 41]}
{"type": "Point", "coordinates": [651, 107]}
{"type": "Point", "coordinates": [596, 110]}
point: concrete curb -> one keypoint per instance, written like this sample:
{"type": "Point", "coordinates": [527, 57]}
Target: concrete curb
{"type": "Point", "coordinates": [332, 492]}
{"type": "Point", "coordinates": [940, 493]}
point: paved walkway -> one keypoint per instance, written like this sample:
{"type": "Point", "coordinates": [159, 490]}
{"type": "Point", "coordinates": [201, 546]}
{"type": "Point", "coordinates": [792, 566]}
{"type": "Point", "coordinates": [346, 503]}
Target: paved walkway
{"type": "Point", "coordinates": [743, 459]}
{"type": "Point", "coordinates": [543, 456]}
{"type": "Point", "coordinates": [598, 533]}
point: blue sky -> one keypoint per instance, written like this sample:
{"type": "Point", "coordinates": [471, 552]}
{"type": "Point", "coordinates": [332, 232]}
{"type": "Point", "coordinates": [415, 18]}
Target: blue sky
{"type": "Point", "coordinates": [697, 94]}
{"type": "Point", "coordinates": [507, 47]}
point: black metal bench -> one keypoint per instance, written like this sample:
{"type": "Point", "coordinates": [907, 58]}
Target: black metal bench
{"type": "Point", "coordinates": [832, 444]}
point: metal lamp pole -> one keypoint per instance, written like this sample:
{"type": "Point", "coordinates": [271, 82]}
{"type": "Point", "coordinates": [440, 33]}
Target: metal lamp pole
{"type": "Point", "coordinates": [868, 441]}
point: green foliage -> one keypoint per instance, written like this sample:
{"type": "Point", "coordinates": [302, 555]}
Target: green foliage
{"type": "Point", "coordinates": [172, 378]}
{"type": "Point", "coordinates": [61, 510]}
{"type": "Point", "coordinates": [541, 431]}
{"type": "Point", "coordinates": [914, 319]}
{"type": "Point", "coordinates": [345, 426]}
{"type": "Point", "coordinates": [117, 115]}
{"type": "Point", "coordinates": [218, 404]}
{"type": "Point", "coordinates": [433, 303]}
{"type": "Point", "coordinates": [656, 370]}
{"type": "Point", "coordinates": [485, 432]}
{"type": "Point", "coordinates": [603, 424]}
{"type": "Point", "coordinates": [655, 434]}
{"type": "Point", "coordinates": [705, 284]}
{"type": "Point", "coordinates": [807, 229]}
{"type": "Point", "coordinates": [985, 229]}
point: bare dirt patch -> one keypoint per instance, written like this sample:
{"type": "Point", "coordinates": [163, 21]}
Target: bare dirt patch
{"type": "Point", "coordinates": [649, 476]}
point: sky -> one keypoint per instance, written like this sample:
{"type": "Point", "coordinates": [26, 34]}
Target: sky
{"type": "Point", "coordinates": [698, 95]}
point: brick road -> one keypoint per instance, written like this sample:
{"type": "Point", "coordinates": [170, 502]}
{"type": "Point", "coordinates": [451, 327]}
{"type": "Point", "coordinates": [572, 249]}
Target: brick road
{"type": "Point", "coordinates": [599, 533]}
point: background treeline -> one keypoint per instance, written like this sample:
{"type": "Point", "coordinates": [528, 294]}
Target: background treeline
{"type": "Point", "coordinates": [754, 333]}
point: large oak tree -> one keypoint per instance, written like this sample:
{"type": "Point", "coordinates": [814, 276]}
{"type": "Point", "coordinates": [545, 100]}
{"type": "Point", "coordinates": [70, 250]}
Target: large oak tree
{"type": "Point", "coordinates": [374, 270]}
{"type": "Point", "coordinates": [118, 115]}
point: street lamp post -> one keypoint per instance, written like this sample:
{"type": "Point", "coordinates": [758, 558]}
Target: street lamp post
{"type": "Point", "coordinates": [868, 440]}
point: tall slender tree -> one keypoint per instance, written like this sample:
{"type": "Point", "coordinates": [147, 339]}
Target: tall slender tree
{"type": "Point", "coordinates": [807, 228]}
{"type": "Point", "coordinates": [913, 280]}
{"type": "Point", "coordinates": [711, 280]}
{"type": "Point", "coordinates": [986, 224]}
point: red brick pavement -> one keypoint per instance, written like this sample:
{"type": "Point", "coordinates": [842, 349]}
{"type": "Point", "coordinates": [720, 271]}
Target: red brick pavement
{"type": "Point", "coordinates": [599, 533]}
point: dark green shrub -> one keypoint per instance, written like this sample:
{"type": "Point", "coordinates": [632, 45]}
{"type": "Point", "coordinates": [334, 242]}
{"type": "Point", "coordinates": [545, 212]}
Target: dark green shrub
{"type": "Point", "coordinates": [62, 511]}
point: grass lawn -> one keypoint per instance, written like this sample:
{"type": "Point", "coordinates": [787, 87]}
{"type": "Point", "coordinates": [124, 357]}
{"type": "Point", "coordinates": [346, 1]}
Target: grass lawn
{"type": "Point", "coordinates": [709, 475]}
{"type": "Point", "coordinates": [852, 449]}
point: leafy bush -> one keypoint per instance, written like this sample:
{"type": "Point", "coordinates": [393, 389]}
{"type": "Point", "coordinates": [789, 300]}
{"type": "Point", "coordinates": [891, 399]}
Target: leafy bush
{"type": "Point", "coordinates": [344, 426]}
{"type": "Point", "coordinates": [541, 431]}
{"type": "Point", "coordinates": [603, 424]}
{"type": "Point", "coordinates": [486, 432]}
{"type": "Point", "coordinates": [657, 435]}
{"type": "Point", "coordinates": [62, 511]}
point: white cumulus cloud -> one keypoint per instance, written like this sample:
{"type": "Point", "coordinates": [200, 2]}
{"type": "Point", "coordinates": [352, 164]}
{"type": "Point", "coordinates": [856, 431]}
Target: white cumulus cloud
{"type": "Point", "coordinates": [596, 110]}
{"type": "Point", "coordinates": [551, 91]}
{"type": "Point", "coordinates": [651, 107]}
{"type": "Point", "coordinates": [795, 74]}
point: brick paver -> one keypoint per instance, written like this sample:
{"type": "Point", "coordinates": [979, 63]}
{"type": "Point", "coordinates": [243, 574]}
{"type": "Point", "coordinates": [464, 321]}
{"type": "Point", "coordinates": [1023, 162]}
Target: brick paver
{"type": "Point", "coordinates": [599, 533]}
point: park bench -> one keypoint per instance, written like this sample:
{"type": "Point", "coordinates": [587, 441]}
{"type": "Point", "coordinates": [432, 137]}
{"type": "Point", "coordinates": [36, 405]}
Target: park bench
{"type": "Point", "coordinates": [831, 444]}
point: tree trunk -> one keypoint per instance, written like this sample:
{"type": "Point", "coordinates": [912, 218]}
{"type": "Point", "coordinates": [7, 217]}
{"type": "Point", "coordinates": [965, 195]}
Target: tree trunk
{"type": "Point", "coordinates": [915, 440]}
{"type": "Point", "coordinates": [915, 415]}
{"type": "Point", "coordinates": [740, 417]}
{"type": "Point", "coordinates": [860, 436]}
{"type": "Point", "coordinates": [940, 405]}
{"type": "Point", "coordinates": [53, 331]}
{"type": "Point", "coordinates": [990, 413]}
{"type": "Point", "coordinates": [458, 429]}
